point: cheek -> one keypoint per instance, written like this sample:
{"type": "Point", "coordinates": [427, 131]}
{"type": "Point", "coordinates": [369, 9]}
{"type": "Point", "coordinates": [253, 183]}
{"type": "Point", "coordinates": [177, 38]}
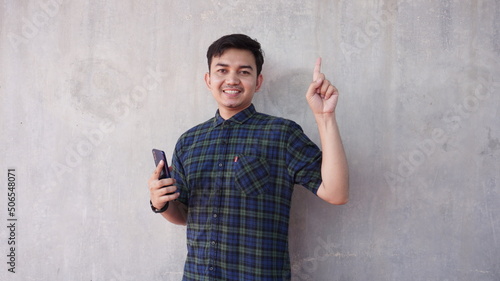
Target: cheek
{"type": "Point", "coordinates": [252, 84]}
{"type": "Point", "coordinates": [215, 80]}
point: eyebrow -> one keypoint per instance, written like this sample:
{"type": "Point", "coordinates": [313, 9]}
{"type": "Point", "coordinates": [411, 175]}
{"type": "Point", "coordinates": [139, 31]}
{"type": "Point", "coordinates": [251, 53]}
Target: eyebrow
{"type": "Point", "coordinates": [241, 66]}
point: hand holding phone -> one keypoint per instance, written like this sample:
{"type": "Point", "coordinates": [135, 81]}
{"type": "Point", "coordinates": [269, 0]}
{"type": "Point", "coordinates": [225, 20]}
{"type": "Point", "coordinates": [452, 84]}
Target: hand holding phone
{"type": "Point", "coordinates": [159, 155]}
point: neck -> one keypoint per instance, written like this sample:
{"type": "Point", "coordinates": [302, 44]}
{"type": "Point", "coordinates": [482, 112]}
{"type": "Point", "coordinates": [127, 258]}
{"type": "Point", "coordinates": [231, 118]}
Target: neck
{"type": "Point", "coordinates": [227, 113]}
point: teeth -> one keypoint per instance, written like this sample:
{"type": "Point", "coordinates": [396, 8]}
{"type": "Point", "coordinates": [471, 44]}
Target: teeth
{"type": "Point", "coordinates": [231, 92]}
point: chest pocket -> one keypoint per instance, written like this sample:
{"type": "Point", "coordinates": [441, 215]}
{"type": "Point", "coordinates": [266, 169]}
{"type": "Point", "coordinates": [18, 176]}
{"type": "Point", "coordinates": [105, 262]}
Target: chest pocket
{"type": "Point", "coordinates": [251, 175]}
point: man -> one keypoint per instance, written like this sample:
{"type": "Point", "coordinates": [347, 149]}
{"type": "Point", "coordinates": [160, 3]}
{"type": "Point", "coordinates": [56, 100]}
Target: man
{"type": "Point", "coordinates": [235, 173]}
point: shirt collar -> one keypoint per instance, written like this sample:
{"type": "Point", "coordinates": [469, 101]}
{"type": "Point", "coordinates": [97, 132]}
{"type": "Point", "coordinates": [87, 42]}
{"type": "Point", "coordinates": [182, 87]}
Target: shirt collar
{"type": "Point", "coordinates": [239, 117]}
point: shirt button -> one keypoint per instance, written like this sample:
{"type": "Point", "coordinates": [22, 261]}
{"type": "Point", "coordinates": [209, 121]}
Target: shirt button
{"type": "Point", "coordinates": [213, 243]}
{"type": "Point", "coordinates": [211, 268]}
{"type": "Point", "coordinates": [215, 215]}
{"type": "Point", "coordinates": [220, 164]}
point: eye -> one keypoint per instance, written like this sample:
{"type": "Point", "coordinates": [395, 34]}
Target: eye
{"type": "Point", "coordinates": [221, 70]}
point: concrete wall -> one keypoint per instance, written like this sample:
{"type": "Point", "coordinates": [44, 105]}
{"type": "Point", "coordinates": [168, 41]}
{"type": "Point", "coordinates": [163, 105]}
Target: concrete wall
{"type": "Point", "coordinates": [87, 88]}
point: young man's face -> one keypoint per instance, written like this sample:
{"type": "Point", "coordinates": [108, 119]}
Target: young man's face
{"type": "Point", "coordinates": [233, 80]}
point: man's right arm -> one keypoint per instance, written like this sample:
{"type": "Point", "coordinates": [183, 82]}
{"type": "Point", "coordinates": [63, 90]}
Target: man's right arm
{"type": "Point", "coordinates": [176, 212]}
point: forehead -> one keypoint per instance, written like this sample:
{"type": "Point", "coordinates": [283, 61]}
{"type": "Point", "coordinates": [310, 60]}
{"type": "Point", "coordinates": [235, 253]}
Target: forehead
{"type": "Point", "coordinates": [235, 57]}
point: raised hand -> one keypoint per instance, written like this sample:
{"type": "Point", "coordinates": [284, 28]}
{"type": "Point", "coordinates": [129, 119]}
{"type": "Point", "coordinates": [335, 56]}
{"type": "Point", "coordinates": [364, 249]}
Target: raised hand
{"type": "Point", "coordinates": [321, 96]}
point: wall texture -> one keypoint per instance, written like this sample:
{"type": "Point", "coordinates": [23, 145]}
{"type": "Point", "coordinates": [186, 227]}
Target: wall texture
{"type": "Point", "coordinates": [87, 88]}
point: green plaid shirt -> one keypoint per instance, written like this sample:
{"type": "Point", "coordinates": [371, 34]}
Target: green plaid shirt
{"type": "Point", "coordinates": [237, 176]}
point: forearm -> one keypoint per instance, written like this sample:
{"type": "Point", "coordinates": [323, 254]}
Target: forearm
{"type": "Point", "coordinates": [334, 168]}
{"type": "Point", "coordinates": [176, 213]}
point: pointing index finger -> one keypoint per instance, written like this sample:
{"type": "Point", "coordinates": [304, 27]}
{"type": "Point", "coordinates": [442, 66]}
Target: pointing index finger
{"type": "Point", "coordinates": [317, 69]}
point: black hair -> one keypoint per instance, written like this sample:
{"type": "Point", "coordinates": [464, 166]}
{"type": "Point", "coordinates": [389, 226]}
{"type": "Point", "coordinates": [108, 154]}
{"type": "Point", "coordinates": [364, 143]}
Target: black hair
{"type": "Point", "coordinates": [236, 41]}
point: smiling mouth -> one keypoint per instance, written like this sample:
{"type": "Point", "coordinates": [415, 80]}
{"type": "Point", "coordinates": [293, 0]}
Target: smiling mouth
{"type": "Point", "coordinates": [232, 91]}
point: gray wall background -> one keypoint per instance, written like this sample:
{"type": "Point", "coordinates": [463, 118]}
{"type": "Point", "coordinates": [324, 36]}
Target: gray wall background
{"type": "Point", "coordinates": [87, 88]}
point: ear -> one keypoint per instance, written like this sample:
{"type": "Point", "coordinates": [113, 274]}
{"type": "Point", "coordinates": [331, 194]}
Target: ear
{"type": "Point", "coordinates": [207, 80]}
{"type": "Point", "coordinates": [260, 79]}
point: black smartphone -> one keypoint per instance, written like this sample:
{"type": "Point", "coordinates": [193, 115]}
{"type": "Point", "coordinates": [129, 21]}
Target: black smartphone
{"type": "Point", "coordinates": [159, 155]}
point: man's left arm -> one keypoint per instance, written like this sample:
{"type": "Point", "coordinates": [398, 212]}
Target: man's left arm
{"type": "Point", "coordinates": [322, 98]}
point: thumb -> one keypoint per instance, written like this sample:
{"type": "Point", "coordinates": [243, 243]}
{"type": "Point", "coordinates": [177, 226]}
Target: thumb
{"type": "Point", "coordinates": [157, 172]}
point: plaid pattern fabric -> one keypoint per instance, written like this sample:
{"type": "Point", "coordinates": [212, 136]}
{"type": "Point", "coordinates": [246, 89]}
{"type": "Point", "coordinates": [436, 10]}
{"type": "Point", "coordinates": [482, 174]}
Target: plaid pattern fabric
{"type": "Point", "coordinates": [237, 176]}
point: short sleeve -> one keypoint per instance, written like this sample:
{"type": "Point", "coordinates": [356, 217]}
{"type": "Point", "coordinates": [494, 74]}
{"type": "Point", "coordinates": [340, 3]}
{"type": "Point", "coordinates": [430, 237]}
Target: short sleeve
{"type": "Point", "coordinates": [179, 175]}
{"type": "Point", "coordinates": [304, 159]}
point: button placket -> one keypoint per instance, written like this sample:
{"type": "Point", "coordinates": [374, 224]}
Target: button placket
{"type": "Point", "coordinates": [222, 151]}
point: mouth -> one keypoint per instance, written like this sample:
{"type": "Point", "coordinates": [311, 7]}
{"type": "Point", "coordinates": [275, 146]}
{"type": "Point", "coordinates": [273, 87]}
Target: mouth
{"type": "Point", "coordinates": [232, 91]}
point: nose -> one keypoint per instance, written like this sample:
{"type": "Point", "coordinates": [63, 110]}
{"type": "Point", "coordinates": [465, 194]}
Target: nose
{"type": "Point", "coordinates": [232, 79]}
